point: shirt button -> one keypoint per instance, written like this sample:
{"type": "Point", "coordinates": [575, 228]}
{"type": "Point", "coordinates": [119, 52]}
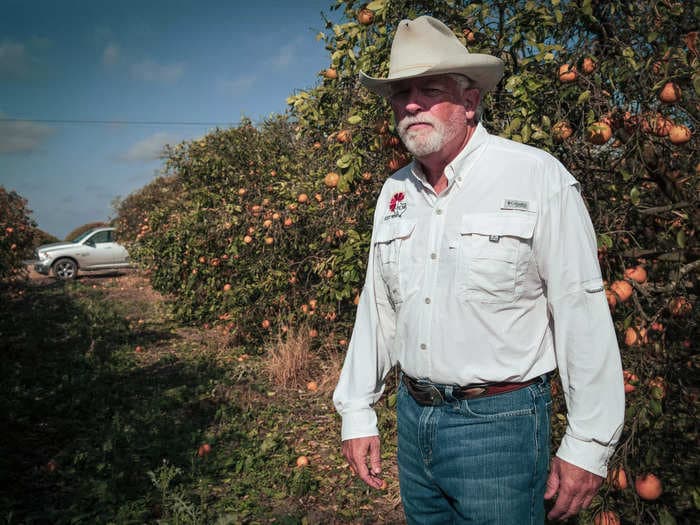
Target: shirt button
{"type": "Point", "coordinates": [459, 179]}
{"type": "Point", "coordinates": [427, 300]}
{"type": "Point", "coordinates": [438, 211]}
{"type": "Point", "coordinates": [433, 256]}
{"type": "Point", "coordinates": [423, 346]}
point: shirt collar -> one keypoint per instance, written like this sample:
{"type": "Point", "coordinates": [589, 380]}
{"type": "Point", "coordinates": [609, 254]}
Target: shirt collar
{"type": "Point", "coordinates": [475, 142]}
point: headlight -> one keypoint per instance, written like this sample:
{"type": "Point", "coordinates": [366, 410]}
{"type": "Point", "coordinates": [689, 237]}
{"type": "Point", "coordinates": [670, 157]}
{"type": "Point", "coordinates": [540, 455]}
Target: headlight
{"type": "Point", "coordinates": [43, 256]}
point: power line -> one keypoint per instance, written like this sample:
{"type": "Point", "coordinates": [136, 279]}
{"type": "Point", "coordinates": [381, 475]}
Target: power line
{"type": "Point", "coordinates": [119, 122]}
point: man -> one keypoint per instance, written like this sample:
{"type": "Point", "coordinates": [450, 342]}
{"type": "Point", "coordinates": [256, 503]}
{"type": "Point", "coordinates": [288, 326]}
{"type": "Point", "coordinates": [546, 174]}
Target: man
{"type": "Point", "coordinates": [482, 278]}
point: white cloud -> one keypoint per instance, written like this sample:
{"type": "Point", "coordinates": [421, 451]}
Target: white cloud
{"type": "Point", "coordinates": [153, 72]}
{"type": "Point", "coordinates": [110, 55]}
{"type": "Point", "coordinates": [18, 136]}
{"type": "Point", "coordinates": [150, 148]}
{"type": "Point", "coordinates": [239, 84]}
{"type": "Point", "coordinates": [14, 60]}
{"type": "Point", "coordinates": [287, 55]}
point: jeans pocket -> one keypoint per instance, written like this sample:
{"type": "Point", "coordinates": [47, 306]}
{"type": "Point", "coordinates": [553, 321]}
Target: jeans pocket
{"type": "Point", "coordinates": [511, 404]}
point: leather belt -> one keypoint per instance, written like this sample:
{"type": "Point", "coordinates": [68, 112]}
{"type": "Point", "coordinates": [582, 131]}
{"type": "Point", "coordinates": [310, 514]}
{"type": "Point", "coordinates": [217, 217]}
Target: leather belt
{"type": "Point", "coordinates": [426, 393]}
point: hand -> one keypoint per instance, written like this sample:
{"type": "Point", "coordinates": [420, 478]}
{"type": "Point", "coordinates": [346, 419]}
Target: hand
{"type": "Point", "coordinates": [573, 486]}
{"type": "Point", "coordinates": [356, 450]}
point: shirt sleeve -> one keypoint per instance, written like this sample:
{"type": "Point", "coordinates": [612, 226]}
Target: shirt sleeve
{"type": "Point", "coordinates": [586, 348]}
{"type": "Point", "coordinates": [368, 359]}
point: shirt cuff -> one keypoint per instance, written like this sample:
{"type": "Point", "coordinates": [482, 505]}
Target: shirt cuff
{"type": "Point", "coordinates": [588, 455]}
{"type": "Point", "coordinates": [359, 423]}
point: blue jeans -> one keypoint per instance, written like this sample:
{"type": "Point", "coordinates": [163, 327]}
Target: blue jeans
{"type": "Point", "coordinates": [480, 461]}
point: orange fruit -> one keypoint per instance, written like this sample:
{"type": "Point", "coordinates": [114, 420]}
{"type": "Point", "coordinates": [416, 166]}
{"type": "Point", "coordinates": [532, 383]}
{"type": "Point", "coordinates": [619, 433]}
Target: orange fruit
{"type": "Point", "coordinates": [331, 179]}
{"type": "Point", "coordinates": [330, 73]}
{"type": "Point", "coordinates": [269, 240]}
{"type": "Point", "coordinates": [343, 136]}
{"type": "Point", "coordinates": [312, 386]}
{"type": "Point", "coordinates": [679, 134]}
{"type": "Point", "coordinates": [606, 517]}
{"type": "Point", "coordinates": [598, 133]}
{"type": "Point", "coordinates": [227, 287]}
{"type": "Point", "coordinates": [637, 274]}
{"type": "Point", "coordinates": [247, 239]}
{"type": "Point", "coordinates": [302, 461]}
{"type": "Point", "coordinates": [303, 197]}
{"type": "Point", "coordinates": [618, 478]}
{"type": "Point", "coordinates": [365, 16]}
{"type": "Point", "coordinates": [204, 449]}
{"type": "Point", "coordinates": [561, 131]}
{"type": "Point", "coordinates": [648, 486]}
{"type": "Point", "coordinates": [670, 93]}
{"type": "Point", "coordinates": [265, 324]}
{"type": "Point", "coordinates": [567, 73]}
{"type": "Point", "coordinates": [679, 307]}
{"type": "Point", "coordinates": [622, 289]}
{"type": "Point", "coordinates": [588, 65]}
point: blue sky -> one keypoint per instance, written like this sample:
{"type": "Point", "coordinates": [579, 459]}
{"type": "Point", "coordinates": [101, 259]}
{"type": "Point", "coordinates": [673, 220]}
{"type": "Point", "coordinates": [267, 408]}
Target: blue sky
{"type": "Point", "coordinates": [167, 61]}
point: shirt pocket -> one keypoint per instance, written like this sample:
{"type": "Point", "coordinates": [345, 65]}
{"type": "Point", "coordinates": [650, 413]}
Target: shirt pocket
{"type": "Point", "coordinates": [493, 256]}
{"type": "Point", "coordinates": [391, 247]}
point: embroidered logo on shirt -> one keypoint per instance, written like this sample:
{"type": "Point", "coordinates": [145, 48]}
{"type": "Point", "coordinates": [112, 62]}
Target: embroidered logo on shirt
{"type": "Point", "coordinates": [397, 206]}
{"type": "Point", "coordinates": [512, 204]}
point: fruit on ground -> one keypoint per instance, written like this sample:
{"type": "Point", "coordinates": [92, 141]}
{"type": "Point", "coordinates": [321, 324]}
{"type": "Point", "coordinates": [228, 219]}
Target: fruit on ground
{"type": "Point", "coordinates": [648, 486]}
{"type": "Point", "coordinates": [637, 274]}
{"type": "Point", "coordinates": [204, 449]}
{"type": "Point", "coordinates": [561, 131]}
{"type": "Point", "coordinates": [303, 197]}
{"type": "Point", "coordinates": [622, 289]}
{"type": "Point", "coordinates": [679, 134]}
{"type": "Point", "coordinates": [302, 461]}
{"type": "Point", "coordinates": [670, 93]}
{"type": "Point", "coordinates": [606, 517]}
{"type": "Point", "coordinates": [598, 133]}
{"type": "Point", "coordinates": [312, 386]}
{"type": "Point", "coordinates": [567, 73]}
{"type": "Point", "coordinates": [331, 179]}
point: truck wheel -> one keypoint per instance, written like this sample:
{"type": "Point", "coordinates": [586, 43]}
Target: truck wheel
{"type": "Point", "coordinates": [65, 269]}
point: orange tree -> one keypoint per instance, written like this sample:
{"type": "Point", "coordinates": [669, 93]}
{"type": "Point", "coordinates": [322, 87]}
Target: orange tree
{"type": "Point", "coordinates": [260, 227]}
{"type": "Point", "coordinates": [17, 232]}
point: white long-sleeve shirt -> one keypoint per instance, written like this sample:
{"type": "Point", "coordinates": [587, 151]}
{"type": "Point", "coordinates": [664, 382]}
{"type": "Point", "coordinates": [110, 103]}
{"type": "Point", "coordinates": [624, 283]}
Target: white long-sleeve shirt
{"type": "Point", "coordinates": [494, 279]}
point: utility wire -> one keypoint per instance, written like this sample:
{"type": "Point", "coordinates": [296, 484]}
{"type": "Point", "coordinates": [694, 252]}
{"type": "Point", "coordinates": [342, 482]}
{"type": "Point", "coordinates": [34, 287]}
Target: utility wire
{"type": "Point", "coordinates": [119, 122]}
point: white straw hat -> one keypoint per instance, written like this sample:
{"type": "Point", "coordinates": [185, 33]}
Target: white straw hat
{"type": "Point", "coordinates": [424, 47]}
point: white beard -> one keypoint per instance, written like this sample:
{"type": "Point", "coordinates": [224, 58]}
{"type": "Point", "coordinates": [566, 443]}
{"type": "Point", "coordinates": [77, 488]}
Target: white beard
{"type": "Point", "coordinates": [425, 142]}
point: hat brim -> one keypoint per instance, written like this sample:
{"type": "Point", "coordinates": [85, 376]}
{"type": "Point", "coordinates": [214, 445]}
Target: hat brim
{"type": "Point", "coordinates": [485, 71]}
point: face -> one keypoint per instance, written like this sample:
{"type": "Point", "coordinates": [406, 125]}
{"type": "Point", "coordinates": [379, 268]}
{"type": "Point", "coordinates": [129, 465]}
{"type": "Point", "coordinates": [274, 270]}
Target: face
{"type": "Point", "coordinates": [433, 114]}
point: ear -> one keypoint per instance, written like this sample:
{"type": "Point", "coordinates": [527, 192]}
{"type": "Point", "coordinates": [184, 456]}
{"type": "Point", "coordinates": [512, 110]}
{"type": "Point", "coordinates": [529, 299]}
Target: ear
{"type": "Point", "coordinates": [471, 98]}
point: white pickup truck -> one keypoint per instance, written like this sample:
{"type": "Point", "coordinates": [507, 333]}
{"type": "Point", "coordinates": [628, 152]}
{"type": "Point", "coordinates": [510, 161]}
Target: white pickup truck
{"type": "Point", "coordinates": [96, 249]}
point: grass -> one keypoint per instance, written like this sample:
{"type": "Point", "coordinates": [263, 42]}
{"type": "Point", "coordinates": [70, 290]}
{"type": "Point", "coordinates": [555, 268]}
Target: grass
{"type": "Point", "coordinates": [96, 430]}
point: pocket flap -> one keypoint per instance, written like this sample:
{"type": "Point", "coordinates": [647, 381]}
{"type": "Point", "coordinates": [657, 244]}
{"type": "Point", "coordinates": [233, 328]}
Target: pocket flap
{"type": "Point", "coordinates": [520, 225]}
{"type": "Point", "coordinates": [394, 229]}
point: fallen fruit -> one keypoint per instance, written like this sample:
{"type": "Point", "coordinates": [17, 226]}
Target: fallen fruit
{"type": "Point", "coordinates": [302, 461]}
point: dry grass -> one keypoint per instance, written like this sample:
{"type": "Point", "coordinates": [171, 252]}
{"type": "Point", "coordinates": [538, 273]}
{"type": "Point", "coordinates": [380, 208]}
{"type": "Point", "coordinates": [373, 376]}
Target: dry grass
{"type": "Point", "coordinates": [289, 358]}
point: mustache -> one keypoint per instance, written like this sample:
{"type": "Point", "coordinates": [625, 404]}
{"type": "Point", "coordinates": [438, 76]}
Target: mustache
{"type": "Point", "coordinates": [408, 121]}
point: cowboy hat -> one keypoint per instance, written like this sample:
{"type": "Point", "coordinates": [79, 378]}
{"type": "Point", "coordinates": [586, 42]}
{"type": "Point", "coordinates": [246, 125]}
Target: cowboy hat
{"type": "Point", "coordinates": [424, 47]}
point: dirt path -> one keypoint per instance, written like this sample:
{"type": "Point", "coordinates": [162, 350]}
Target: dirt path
{"type": "Point", "coordinates": [303, 422]}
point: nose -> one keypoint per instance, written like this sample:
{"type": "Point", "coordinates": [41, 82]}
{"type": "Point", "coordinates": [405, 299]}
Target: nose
{"type": "Point", "coordinates": [410, 100]}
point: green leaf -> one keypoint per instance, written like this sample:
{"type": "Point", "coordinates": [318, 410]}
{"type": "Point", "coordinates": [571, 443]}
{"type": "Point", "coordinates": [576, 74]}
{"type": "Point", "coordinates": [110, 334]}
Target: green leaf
{"type": "Point", "coordinates": [652, 36]}
{"type": "Point", "coordinates": [344, 161]}
{"type": "Point", "coordinates": [665, 517]}
{"type": "Point", "coordinates": [681, 239]}
{"type": "Point", "coordinates": [583, 97]}
{"type": "Point", "coordinates": [355, 119]}
{"type": "Point", "coordinates": [376, 5]}
{"type": "Point", "coordinates": [635, 196]}
{"type": "Point", "coordinates": [558, 15]}
{"type": "Point", "coordinates": [604, 240]}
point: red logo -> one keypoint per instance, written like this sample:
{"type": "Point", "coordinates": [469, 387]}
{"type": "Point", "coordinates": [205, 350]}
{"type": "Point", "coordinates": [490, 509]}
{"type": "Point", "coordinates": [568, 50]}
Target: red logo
{"type": "Point", "coordinates": [398, 197]}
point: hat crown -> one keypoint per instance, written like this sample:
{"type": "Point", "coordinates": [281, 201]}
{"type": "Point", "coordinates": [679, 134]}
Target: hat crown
{"type": "Point", "coordinates": [421, 44]}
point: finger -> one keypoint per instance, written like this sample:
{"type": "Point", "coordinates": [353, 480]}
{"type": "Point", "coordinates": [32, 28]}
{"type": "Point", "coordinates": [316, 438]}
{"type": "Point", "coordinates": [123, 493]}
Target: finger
{"type": "Point", "coordinates": [562, 505]}
{"type": "Point", "coordinates": [375, 458]}
{"type": "Point", "coordinates": [552, 484]}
